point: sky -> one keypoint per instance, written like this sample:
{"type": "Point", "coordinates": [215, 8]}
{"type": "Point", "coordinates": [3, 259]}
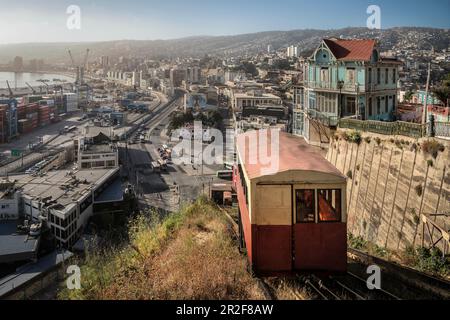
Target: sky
{"type": "Point", "coordinates": [103, 20]}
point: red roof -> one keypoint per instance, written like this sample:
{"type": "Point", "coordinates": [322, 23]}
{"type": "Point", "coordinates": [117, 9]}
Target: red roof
{"type": "Point", "coordinates": [294, 154]}
{"type": "Point", "coordinates": [351, 50]}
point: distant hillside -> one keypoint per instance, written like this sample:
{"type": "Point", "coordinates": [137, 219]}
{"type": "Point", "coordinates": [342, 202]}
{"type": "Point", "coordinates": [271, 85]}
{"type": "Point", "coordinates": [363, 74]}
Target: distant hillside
{"type": "Point", "coordinates": [419, 38]}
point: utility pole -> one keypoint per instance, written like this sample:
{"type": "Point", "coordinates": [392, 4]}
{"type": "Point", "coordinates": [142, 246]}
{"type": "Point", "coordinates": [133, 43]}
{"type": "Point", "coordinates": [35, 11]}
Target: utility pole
{"type": "Point", "coordinates": [425, 104]}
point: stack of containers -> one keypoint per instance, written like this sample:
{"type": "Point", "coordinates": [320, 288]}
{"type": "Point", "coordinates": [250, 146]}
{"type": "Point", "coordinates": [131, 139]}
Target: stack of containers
{"type": "Point", "coordinates": [3, 127]}
{"type": "Point", "coordinates": [54, 116]}
{"type": "Point", "coordinates": [25, 126]}
{"type": "Point", "coordinates": [33, 115]}
{"type": "Point", "coordinates": [22, 111]}
{"type": "Point", "coordinates": [44, 116]}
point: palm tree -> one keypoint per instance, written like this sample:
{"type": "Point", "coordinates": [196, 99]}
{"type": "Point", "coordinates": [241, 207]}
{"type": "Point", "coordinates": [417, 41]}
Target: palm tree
{"type": "Point", "coordinates": [442, 92]}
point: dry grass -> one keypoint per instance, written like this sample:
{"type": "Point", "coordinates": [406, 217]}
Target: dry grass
{"type": "Point", "coordinates": [189, 255]}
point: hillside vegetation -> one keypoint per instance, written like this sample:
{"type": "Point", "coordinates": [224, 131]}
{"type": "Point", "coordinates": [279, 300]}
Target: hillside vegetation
{"type": "Point", "coordinates": [187, 255]}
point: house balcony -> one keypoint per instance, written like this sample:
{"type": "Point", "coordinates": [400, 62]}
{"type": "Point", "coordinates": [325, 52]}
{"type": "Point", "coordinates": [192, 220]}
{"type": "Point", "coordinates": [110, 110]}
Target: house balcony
{"type": "Point", "coordinates": [333, 87]}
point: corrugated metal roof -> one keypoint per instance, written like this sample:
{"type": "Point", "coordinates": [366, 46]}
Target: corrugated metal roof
{"type": "Point", "coordinates": [294, 154]}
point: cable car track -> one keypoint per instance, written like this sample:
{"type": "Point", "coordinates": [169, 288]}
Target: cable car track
{"type": "Point", "coordinates": [350, 286]}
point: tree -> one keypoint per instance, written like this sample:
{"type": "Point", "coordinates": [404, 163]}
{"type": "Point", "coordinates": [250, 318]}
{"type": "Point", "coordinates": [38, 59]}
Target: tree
{"type": "Point", "coordinates": [408, 96]}
{"type": "Point", "coordinates": [442, 92]}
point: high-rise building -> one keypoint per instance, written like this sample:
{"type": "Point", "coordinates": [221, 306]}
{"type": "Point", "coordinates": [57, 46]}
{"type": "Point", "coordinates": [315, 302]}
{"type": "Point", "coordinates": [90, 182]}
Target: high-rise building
{"type": "Point", "coordinates": [293, 51]}
{"type": "Point", "coordinates": [177, 76]}
{"type": "Point", "coordinates": [18, 64]}
{"type": "Point", "coordinates": [269, 49]}
{"type": "Point", "coordinates": [104, 62]}
{"type": "Point", "coordinates": [193, 74]}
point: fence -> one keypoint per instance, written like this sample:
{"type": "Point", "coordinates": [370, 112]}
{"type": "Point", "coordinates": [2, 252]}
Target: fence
{"type": "Point", "coordinates": [442, 129]}
{"type": "Point", "coordinates": [408, 129]}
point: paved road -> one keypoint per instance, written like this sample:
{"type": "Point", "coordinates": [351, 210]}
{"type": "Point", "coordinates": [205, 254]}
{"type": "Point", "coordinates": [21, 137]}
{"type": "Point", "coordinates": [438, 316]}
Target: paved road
{"type": "Point", "coordinates": [180, 184]}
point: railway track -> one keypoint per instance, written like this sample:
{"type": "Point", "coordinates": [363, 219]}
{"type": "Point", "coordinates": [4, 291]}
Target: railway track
{"type": "Point", "coordinates": [398, 282]}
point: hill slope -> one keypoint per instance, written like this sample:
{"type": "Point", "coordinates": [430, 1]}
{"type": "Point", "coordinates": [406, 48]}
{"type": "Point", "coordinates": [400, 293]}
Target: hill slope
{"type": "Point", "coordinates": [419, 38]}
{"type": "Point", "coordinates": [189, 255]}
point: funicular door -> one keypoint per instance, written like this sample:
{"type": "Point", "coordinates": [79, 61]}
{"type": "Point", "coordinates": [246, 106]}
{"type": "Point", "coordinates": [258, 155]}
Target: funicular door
{"type": "Point", "coordinates": [319, 235]}
{"type": "Point", "coordinates": [274, 228]}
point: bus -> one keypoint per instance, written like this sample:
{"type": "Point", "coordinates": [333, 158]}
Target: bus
{"type": "Point", "coordinates": [225, 174]}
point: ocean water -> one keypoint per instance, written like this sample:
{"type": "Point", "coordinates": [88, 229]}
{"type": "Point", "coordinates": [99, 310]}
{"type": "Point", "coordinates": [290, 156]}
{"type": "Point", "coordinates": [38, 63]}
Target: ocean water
{"type": "Point", "coordinates": [18, 80]}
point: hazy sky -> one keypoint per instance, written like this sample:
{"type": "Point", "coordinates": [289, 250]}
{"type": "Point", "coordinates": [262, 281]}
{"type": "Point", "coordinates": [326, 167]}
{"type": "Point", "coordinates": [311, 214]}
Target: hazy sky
{"type": "Point", "coordinates": [45, 20]}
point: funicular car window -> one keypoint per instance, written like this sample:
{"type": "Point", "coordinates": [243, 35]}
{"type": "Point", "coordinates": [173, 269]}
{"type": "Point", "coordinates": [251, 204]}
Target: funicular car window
{"type": "Point", "coordinates": [306, 206]}
{"type": "Point", "coordinates": [330, 205]}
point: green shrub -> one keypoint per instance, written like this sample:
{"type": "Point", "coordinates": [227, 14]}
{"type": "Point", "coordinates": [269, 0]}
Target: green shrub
{"type": "Point", "coordinates": [419, 190]}
{"type": "Point", "coordinates": [355, 137]}
{"type": "Point", "coordinates": [431, 260]}
{"type": "Point", "coordinates": [350, 174]}
{"type": "Point", "coordinates": [432, 147]}
{"type": "Point", "coordinates": [378, 140]}
{"type": "Point", "coordinates": [357, 243]}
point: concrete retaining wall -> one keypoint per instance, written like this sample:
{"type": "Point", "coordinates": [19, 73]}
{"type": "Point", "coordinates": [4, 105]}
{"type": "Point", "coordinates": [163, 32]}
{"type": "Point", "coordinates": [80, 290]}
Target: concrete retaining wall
{"type": "Point", "coordinates": [384, 202]}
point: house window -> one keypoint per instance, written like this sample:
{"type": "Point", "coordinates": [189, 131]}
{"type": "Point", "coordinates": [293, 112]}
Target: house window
{"type": "Point", "coordinates": [378, 76]}
{"type": "Point", "coordinates": [306, 206]}
{"type": "Point", "coordinates": [330, 205]}
{"type": "Point", "coordinates": [370, 107]}
{"type": "Point", "coordinates": [386, 75]}
{"type": "Point", "coordinates": [324, 75]}
{"type": "Point", "coordinates": [370, 76]}
{"type": "Point", "coordinates": [394, 76]}
{"type": "Point", "coordinates": [351, 75]}
{"type": "Point", "coordinates": [386, 105]}
{"type": "Point", "coordinates": [351, 105]}
{"type": "Point", "coordinates": [378, 105]}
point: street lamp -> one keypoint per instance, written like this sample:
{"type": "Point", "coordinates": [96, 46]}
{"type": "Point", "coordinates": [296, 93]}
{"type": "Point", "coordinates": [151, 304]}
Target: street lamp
{"type": "Point", "coordinates": [340, 86]}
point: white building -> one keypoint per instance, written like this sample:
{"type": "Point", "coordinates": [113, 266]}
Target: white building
{"type": "Point", "coordinates": [63, 200]}
{"type": "Point", "coordinates": [293, 52]}
{"type": "Point", "coordinates": [9, 203]}
{"type": "Point", "coordinates": [95, 151]}
{"type": "Point", "coordinates": [253, 98]}
{"type": "Point", "coordinates": [70, 102]}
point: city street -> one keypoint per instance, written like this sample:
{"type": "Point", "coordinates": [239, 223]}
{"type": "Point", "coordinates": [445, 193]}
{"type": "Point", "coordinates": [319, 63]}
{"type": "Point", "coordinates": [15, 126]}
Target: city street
{"type": "Point", "coordinates": [166, 190]}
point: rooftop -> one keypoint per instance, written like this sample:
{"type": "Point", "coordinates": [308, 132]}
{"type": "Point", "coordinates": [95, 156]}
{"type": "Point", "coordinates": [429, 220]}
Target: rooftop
{"type": "Point", "coordinates": [62, 187]}
{"type": "Point", "coordinates": [99, 148]}
{"type": "Point", "coordinates": [16, 247]}
{"type": "Point", "coordinates": [351, 50]}
{"type": "Point", "coordinates": [30, 271]}
{"type": "Point", "coordinates": [249, 95]}
{"type": "Point", "coordinates": [294, 154]}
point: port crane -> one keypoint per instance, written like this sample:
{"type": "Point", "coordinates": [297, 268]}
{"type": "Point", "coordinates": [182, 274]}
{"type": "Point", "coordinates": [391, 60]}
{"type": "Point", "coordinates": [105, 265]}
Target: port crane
{"type": "Point", "coordinates": [44, 82]}
{"type": "Point", "coordinates": [32, 89]}
{"type": "Point", "coordinates": [79, 68]}
{"type": "Point", "coordinates": [11, 93]}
